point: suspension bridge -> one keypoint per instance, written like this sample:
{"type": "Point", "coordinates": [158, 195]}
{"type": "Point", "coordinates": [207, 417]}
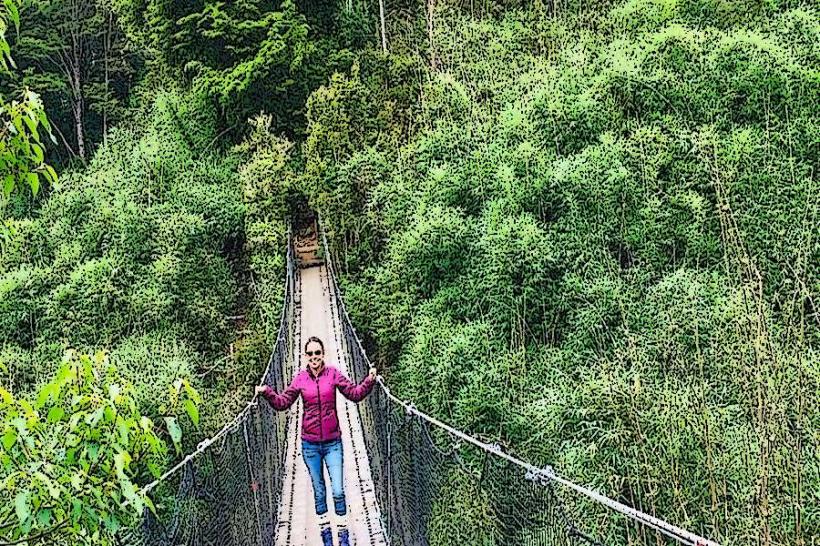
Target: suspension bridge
{"type": "Point", "coordinates": [247, 485]}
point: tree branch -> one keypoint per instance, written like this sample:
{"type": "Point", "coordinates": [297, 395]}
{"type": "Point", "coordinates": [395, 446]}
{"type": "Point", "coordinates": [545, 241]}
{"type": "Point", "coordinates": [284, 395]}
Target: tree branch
{"type": "Point", "coordinates": [211, 143]}
{"type": "Point", "coordinates": [65, 142]}
{"type": "Point", "coordinates": [38, 536]}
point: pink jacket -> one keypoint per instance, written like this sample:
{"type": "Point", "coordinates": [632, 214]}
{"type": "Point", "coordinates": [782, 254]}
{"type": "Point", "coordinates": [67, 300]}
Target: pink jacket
{"type": "Point", "coordinates": [319, 422]}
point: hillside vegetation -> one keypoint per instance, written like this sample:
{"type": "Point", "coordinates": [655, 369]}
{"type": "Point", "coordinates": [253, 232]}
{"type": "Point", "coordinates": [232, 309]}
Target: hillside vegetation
{"type": "Point", "coordinates": [586, 231]}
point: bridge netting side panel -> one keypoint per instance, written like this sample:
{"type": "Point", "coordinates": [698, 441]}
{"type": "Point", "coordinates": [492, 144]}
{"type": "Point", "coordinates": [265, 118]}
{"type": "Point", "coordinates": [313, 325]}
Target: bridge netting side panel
{"type": "Point", "coordinates": [228, 493]}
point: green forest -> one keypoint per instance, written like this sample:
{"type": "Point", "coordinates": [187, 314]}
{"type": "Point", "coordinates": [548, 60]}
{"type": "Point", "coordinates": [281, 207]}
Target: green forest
{"type": "Point", "coordinates": [587, 231]}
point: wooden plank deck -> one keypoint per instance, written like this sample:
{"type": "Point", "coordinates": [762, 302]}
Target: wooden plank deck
{"type": "Point", "coordinates": [317, 315]}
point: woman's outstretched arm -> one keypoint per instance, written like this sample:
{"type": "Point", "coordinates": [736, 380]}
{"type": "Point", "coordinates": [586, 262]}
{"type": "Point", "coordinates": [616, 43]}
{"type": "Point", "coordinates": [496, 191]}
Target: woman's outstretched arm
{"type": "Point", "coordinates": [280, 401]}
{"type": "Point", "coordinates": [353, 392]}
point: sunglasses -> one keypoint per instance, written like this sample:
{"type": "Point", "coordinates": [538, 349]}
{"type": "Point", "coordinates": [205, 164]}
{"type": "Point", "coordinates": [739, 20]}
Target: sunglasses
{"type": "Point", "coordinates": [317, 352]}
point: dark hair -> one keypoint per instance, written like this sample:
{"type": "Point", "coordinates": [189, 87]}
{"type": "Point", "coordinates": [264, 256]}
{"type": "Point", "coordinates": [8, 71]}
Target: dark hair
{"type": "Point", "coordinates": [317, 340]}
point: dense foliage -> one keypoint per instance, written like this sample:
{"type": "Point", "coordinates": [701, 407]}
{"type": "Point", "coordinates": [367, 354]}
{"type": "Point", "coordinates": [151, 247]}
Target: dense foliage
{"type": "Point", "coordinates": [588, 232]}
{"type": "Point", "coordinates": [22, 153]}
{"type": "Point", "coordinates": [71, 457]}
{"type": "Point", "coordinates": [73, 53]}
{"type": "Point", "coordinates": [114, 258]}
{"type": "Point", "coordinates": [599, 244]}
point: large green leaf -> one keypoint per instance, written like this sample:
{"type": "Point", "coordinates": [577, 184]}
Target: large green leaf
{"type": "Point", "coordinates": [174, 431]}
{"type": "Point", "coordinates": [21, 505]}
{"type": "Point", "coordinates": [193, 411]}
{"type": "Point", "coordinates": [9, 437]}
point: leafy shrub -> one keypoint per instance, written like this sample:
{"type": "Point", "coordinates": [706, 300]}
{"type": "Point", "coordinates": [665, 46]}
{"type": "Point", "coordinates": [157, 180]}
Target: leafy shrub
{"type": "Point", "coordinates": [71, 457]}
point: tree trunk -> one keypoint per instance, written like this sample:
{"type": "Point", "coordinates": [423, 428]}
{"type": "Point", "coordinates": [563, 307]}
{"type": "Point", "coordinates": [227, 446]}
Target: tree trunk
{"type": "Point", "coordinates": [106, 50]}
{"type": "Point", "coordinates": [431, 8]}
{"type": "Point", "coordinates": [78, 106]}
{"type": "Point", "coordinates": [78, 129]}
{"type": "Point", "coordinates": [383, 26]}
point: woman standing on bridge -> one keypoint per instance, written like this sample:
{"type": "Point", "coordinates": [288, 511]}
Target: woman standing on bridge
{"type": "Point", "coordinates": [321, 436]}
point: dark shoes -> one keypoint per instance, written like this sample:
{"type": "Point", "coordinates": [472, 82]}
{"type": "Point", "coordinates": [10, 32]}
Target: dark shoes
{"type": "Point", "coordinates": [327, 536]}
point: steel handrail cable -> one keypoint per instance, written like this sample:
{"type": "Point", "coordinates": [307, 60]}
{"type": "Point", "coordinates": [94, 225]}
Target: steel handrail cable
{"type": "Point", "coordinates": [240, 417]}
{"type": "Point", "coordinates": [672, 531]}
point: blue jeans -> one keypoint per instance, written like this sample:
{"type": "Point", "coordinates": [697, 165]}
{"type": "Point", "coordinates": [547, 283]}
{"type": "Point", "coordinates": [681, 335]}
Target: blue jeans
{"type": "Point", "coordinates": [331, 453]}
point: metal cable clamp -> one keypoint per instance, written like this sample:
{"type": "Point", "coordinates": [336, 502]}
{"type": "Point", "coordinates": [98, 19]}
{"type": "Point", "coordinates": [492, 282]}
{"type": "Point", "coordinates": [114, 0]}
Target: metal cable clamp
{"type": "Point", "coordinates": [540, 475]}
